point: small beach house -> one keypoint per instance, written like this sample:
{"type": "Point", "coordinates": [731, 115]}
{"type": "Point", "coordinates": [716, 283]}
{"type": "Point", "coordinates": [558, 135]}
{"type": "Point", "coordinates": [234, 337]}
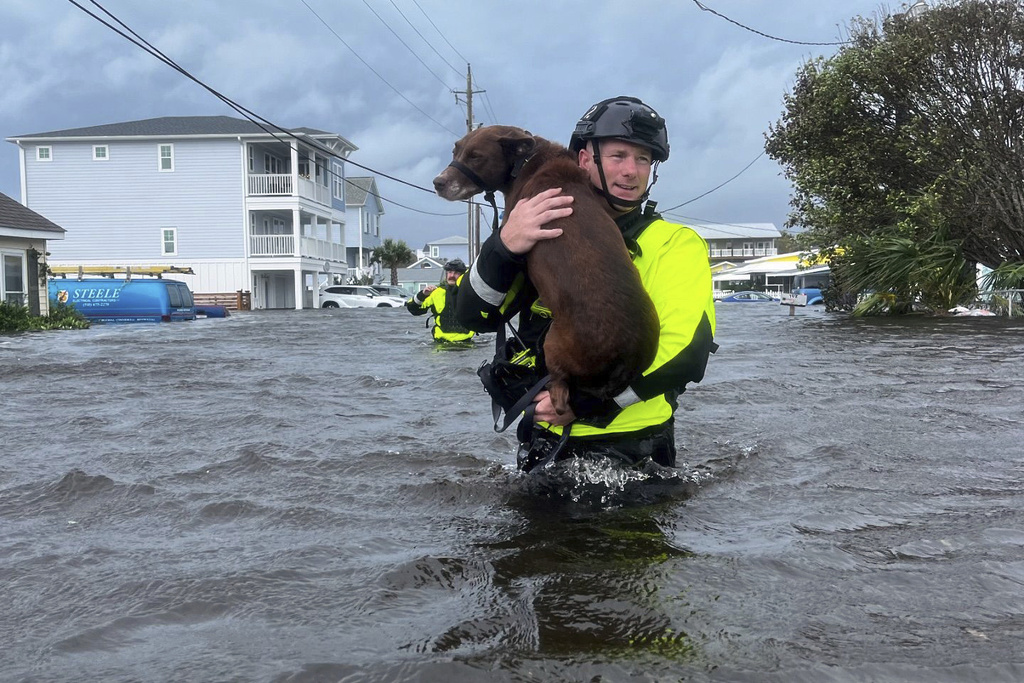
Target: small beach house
{"type": "Point", "coordinates": [24, 236]}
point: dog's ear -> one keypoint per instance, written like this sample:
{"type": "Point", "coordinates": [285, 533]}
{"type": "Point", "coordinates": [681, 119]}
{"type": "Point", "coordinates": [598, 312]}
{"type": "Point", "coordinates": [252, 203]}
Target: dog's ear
{"type": "Point", "coordinates": [518, 145]}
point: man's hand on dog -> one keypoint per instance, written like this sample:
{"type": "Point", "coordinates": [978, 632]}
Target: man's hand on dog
{"type": "Point", "coordinates": [526, 221]}
{"type": "Point", "coordinates": [545, 411]}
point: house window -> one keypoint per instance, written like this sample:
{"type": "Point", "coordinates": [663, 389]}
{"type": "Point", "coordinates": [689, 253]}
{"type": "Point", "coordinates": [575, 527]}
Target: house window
{"type": "Point", "coordinates": [166, 158]}
{"type": "Point", "coordinates": [252, 159]}
{"type": "Point", "coordinates": [44, 154]}
{"type": "Point", "coordinates": [12, 283]}
{"type": "Point", "coordinates": [339, 182]}
{"type": "Point", "coordinates": [100, 153]}
{"type": "Point", "coordinates": [376, 226]}
{"type": "Point", "coordinates": [435, 251]}
{"type": "Point", "coordinates": [169, 241]}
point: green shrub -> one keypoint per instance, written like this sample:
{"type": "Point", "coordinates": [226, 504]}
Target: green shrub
{"type": "Point", "coordinates": [63, 317]}
{"type": "Point", "coordinates": [16, 318]}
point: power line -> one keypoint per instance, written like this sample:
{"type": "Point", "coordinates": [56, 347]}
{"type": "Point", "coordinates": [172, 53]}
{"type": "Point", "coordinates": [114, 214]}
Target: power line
{"type": "Point", "coordinates": [413, 27]}
{"type": "Point", "coordinates": [754, 30]}
{"type": "Point", "coordinates": [146, 46]}
{"type": "Point", "coordinates": [439, 31]}
{"type": "Point", "coordinates": [704, 221]}
{"type": "Point", "coordinates": [487, 106]}
{"type": "Point", "coordinates": [487, 102]}
{"type": "Point", "coordinates": [407, 47]}
{"type": "Point", "coordinates": [342, 40]}
{"type": "Point", "coordinates": [717, 187]}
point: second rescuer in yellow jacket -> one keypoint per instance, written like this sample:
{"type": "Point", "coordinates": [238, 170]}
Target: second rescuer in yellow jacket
{"type": "Point", "coordinates": [440, 301]}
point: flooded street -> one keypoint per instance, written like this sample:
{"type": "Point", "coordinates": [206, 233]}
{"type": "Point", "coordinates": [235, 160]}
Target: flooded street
{"type": "Point", "coordinates": [314, 496]}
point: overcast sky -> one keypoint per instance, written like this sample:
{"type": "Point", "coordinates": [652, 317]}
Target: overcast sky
{"type": "Point", "coordinates": [340, 67]}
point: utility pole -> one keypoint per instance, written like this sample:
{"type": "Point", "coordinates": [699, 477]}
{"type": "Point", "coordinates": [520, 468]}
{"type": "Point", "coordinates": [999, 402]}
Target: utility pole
{"type": "Point", "coordinates": [472, 236]}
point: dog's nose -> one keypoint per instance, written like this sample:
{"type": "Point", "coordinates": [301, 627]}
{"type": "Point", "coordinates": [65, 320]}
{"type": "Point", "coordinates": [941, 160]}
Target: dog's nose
{"type": "Point", "coordinates": [439, 184]}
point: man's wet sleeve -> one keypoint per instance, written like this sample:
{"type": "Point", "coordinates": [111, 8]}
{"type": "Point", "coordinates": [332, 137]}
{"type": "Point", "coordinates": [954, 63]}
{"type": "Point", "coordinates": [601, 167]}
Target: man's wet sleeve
{"type": "Point", "coordinates": [483, 290]}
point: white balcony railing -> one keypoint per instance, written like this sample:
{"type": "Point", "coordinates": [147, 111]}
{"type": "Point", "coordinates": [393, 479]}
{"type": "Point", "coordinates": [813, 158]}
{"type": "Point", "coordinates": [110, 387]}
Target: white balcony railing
{"type": "Point", "coordinates": [321, 249]}
{"type": "Point", "coordinates": [746, 253]}
{"type": "Point", "coordinates": [284, 245]}
{"type": "Point", "coordinates": [272, 245]}
{"type": "Point", "coordinates": [280, 185]}
{"type": "Point", "coordinates": [315, 191]}
{"type": "Point", "coordinates": [270, 184]}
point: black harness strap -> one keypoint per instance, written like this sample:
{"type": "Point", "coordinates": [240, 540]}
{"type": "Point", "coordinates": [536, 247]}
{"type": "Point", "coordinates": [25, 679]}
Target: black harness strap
{"type": "Point", "coordinates": [479, 182]}
{"type": "Point", "coordinates": [517, 167]}
{"type": "Point", "coordinates": [524, 405]}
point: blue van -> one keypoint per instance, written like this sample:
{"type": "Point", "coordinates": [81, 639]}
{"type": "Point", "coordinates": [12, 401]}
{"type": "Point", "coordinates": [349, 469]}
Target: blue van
{"type": "Point", "coordinates": [110, 300]}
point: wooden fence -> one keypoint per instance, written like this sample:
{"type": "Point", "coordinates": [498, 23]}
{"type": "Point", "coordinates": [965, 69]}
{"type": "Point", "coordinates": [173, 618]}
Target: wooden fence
{"type": "Point", "coordinates": [233, 301]}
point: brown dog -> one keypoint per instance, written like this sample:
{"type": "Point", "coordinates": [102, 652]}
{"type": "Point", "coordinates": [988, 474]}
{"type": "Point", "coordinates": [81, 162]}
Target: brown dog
{"type": "Point", "coordinates": [604, 331]}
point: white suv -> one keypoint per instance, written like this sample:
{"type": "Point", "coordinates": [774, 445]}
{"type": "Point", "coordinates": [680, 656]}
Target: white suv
{"type": "Point", "coordinates": [392, 290]}
{"type": "Point", "coordinates": [356, 296]}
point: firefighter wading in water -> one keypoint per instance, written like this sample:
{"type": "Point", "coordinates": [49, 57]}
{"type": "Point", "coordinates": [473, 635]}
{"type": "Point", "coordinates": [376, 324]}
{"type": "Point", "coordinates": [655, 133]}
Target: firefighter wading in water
{"type": "Point", "coordinates": [440, 301]}
{"type": "Point", "coordinates": [619, 142]}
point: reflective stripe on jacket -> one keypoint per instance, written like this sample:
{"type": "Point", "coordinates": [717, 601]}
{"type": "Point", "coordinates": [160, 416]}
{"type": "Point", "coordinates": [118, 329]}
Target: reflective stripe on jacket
{"type": "Point", "coordinates": [673, 263]}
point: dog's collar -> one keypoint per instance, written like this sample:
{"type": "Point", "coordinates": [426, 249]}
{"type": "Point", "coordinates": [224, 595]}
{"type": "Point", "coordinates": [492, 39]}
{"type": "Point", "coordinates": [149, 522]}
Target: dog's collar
{"type": "Point", "coordinates": [517, 167]}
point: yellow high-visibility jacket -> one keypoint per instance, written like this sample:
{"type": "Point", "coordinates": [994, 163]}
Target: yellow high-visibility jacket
{"type": "Point", "coordinates": [674, 268]}
{"type": "Point", "coordinates": [446, 327]}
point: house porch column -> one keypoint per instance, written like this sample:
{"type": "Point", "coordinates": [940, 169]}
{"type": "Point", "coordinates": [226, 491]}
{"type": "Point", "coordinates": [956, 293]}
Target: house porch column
{"type": "Point", "coordinates": [300, 288]}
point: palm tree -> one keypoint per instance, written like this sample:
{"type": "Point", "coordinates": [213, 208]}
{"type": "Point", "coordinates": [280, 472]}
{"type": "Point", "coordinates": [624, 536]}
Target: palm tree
{"type": "Point", "coordinates": [392, 254]}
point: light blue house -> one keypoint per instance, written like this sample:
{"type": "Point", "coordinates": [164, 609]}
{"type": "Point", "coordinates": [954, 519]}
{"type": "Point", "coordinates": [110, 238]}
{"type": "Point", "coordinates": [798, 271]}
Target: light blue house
{"type": "Point", "coordinates": [448, 248]}
{"type": "Point", "coordinates": [421, 273]}
{"type": "Point", "coordinates": [246, 209]}
{"type": "Point", "coordinates": [364, 209]}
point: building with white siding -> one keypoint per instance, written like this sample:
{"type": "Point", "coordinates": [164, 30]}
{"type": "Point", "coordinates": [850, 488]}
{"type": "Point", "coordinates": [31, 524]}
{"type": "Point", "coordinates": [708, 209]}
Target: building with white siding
{"type": "Point", "coordinates": [247, 209]}
{"type": "Point", "coordinates": [738, 242]}
{"type": "Point", "coordinates": [25, 237]}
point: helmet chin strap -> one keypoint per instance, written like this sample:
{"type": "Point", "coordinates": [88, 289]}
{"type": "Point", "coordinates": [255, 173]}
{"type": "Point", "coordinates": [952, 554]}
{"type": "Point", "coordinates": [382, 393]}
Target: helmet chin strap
{"type": "Point", "coordinates": [618, 203]}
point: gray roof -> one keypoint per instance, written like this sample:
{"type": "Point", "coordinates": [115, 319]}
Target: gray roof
{"type": "Point", "coordinates": [733, 231]}
{"type": "Point", "coordinates": [357, 190]}
{"type": "Point", "coordinates": [15, 215]}
{"type": "Point", "coordinates": [454, 239]}
{"type": "Point", "coordinates": [168, 126]}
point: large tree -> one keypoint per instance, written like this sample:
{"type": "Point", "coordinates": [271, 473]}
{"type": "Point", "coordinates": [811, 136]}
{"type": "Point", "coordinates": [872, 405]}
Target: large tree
{"type": "Point", "coordinates": [394, 255]}
{"type": "Point", "coordinates": [914, 130]}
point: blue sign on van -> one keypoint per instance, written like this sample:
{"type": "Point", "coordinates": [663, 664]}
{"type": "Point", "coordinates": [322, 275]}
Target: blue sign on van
{"type": "Point", "coordinates": [126, 301]}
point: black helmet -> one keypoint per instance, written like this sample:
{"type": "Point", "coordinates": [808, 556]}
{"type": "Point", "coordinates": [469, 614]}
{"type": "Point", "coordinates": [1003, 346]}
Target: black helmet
{"type": "Point", "coordinates": [455, 265]}
{"type": "Point", "coordinates": [623, 118]}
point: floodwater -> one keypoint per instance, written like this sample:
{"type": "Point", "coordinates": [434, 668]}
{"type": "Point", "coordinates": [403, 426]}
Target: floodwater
{"type": "Point", "coordinates": [314, 496]}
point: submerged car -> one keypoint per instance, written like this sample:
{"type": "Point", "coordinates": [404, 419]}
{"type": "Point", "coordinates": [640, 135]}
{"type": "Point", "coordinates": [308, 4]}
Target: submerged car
{"type": "Point", "coordinates": [393, 290]}
{"type": "Point", "coordinates": [125, 300]}
{"type": "Point", "coordinates": [356, 296]}
{"type": "Point", "coordinates": [804, 296]}
{"type": "Point", "coordinates": [813, 295]}
{"type": "Point", "coordinates": [750, 297]}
